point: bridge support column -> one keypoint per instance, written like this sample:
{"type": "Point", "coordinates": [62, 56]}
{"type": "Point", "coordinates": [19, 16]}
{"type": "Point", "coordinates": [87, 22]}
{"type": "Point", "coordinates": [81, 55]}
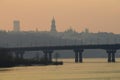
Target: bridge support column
{"type": "Point", "coordinates": [111, 55]}
{"type": "Point", "coordinates": [76, 56]}
{"type": "Point", "coordinates": [80, 56]}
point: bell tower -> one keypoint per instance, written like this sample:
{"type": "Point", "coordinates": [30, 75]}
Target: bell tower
{"type": "Point", "coordinates": [53, 25]}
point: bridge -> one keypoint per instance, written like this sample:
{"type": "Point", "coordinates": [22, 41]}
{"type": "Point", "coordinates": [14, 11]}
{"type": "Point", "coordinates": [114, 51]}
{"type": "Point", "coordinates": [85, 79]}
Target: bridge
{"type": "Point", "coordinates": [111, 49]}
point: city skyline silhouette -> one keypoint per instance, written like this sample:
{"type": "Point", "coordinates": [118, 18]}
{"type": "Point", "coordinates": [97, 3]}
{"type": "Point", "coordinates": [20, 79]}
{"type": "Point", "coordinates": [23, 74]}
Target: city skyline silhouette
{"type": "Point", "coordinates": [97, 15]}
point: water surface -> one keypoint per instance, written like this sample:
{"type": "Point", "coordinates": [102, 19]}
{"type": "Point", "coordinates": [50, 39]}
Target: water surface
{"type": "Point", "coordinates": [91, 69]}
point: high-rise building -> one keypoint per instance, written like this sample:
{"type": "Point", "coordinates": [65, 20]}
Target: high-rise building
{"type": "Point", "coordinates": [53, 25]}
{"type": "Point", "coordinates": [16, 26]}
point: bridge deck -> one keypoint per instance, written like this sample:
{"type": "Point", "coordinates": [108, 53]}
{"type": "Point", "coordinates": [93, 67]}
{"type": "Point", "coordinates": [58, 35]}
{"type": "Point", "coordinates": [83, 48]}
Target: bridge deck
{"type": "Point", "coordinates": [65, 47]}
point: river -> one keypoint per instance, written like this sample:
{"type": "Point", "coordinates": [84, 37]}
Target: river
{"type": "Point", "coordinates": [90, 69]}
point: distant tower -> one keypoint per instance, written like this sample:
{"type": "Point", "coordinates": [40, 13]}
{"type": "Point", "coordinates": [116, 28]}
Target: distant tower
{"type": "Point", "coordinates": [16, 26]}
{"type": "Point", "coordinates": [53, 26]}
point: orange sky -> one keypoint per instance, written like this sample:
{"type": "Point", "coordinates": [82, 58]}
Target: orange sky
{"type": "Point", "coordinates": [97, 15]}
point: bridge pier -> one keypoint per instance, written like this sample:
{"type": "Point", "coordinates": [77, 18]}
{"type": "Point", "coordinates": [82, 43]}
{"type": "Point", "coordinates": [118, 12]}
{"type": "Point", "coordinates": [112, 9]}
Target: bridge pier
{"type": "Point", "coordinates": [48, 56]}
{"type": "Point", "coordinates": [78, 56]}
{"type": "Point", "coordinates": [111, 55]}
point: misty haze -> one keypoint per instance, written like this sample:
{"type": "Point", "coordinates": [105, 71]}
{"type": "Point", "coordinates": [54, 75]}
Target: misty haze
{"type": "Point", "coordinates": [59, 40]}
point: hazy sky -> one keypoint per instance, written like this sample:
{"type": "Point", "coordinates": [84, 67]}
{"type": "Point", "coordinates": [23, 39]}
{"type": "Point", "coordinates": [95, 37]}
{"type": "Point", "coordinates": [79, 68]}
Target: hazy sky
{"type": "Point", "coordinates": [97, 15]}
